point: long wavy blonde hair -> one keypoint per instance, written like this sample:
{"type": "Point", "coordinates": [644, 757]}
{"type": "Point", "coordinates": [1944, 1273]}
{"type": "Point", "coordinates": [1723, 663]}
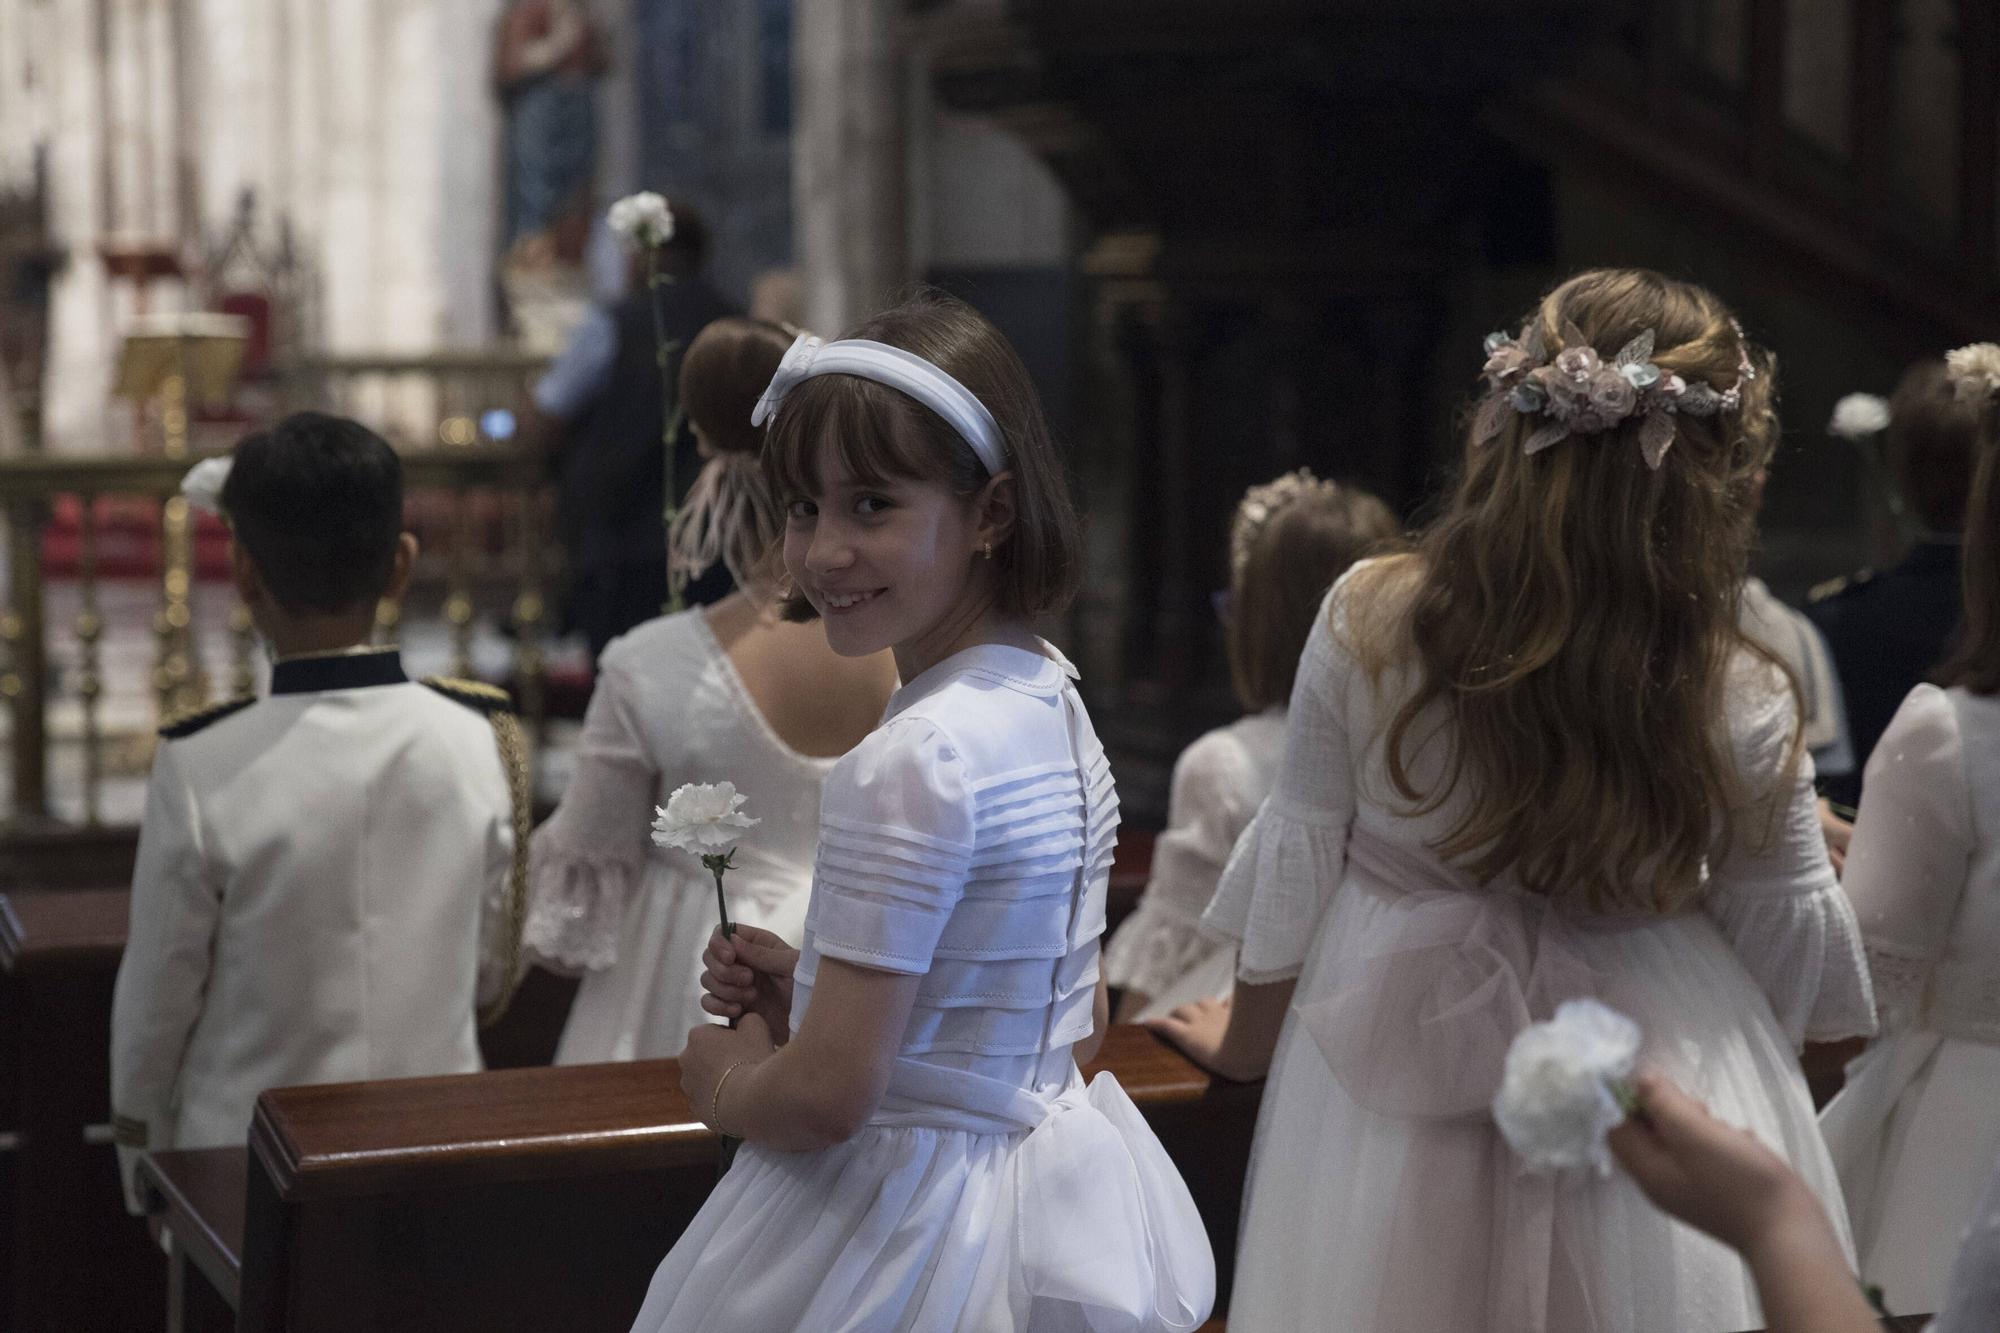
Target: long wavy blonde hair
{"type": "Point", "coordinates": [1574, 613]}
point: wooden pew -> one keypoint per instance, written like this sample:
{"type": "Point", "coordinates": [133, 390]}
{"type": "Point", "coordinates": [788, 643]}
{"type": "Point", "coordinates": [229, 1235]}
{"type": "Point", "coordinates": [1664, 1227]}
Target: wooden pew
{"type": "Point", "coordinates": [534, 1198]}
{"type": "Point", "coordinates": [75, 1260]}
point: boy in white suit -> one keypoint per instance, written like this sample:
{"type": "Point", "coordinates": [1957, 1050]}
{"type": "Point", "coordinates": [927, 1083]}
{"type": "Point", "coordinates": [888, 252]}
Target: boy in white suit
{"type": "Point", "coordinates": [328, 880]}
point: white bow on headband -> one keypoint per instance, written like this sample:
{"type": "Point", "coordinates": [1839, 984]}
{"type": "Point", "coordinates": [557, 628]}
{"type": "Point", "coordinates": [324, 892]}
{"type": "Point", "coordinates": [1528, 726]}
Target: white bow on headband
{"type": "Point", "coordinates": [903, 371]}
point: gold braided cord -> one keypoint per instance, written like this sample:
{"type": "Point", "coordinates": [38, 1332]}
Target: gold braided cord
{"type": "Point", "coordinates": [514, 759]}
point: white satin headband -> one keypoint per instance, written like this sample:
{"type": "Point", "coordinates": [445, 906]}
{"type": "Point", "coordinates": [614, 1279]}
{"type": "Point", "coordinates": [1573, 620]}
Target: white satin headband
{"type": "Point", "coordinates": [900, 370]}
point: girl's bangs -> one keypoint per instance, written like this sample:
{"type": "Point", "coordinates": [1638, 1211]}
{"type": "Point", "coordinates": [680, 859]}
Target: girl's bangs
{"type": "Point", "coordinates": [871, 428]}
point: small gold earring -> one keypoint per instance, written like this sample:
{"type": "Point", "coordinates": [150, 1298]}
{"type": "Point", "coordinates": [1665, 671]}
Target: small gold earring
{"type": "Point", "coordinates": [986, 550]}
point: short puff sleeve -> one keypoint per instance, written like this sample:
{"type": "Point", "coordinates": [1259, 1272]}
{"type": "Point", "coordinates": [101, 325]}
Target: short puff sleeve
{"type": "Point", "coordinates": [1290, 859]}
{"type": "Point", "coordinates": [1774, 895]}
{"type": "Point", "coordinates": [896, 835]}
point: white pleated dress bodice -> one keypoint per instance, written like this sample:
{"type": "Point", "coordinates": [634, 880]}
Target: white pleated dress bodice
{"type": "Point", "coordinates": [967, 840]}
{"type": "Point", "coordinates": [668, 708]}
{"type": "Point", "coordinates": [1375, 1147]}
{"type": "Point", "coordinates": [1918, 1123]}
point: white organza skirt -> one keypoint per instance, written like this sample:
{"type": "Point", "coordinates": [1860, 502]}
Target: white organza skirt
{"type": "Point", "coordinates": [1914, 1135]}
{"type": "Point", "coordinates": [969, 1204]}
{"type": "Point", "coordinates": [1376, 1148]}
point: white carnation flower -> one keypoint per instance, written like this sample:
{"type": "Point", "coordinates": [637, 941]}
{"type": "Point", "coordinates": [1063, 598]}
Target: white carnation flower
{"type": "Point", "coordinates": [203, 484]}
{"type": "Point", "coordinates": [1975, 369]}
{"type": "Point", "coordinates": [1561, 1092]}
{"type": "Point", "coordinates": [700, 817]}
{"type": "Point", "coordinates": [642, 220]}
{"type": "Point", "coordinates": [1859, 415]}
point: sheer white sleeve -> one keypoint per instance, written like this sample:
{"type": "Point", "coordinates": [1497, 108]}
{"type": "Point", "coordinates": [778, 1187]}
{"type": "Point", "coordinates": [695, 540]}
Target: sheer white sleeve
{"type": "Point", "coordinates": [1289, 860]}
{"type": "Point", "coordinates": [585, 862]}
{"type": "Point", "coordinates": [897, 827]}
{"type": "Point", "coordinates": [1912, 847]}
{"type": "Point", "coordinates": [1774, 895]}
{"type": "Point", "coordinates": [1162, 941]}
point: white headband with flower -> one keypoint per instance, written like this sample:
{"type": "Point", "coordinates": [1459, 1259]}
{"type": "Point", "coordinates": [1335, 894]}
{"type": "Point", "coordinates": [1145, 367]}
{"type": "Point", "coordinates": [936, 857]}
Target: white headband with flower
{"type": "Point", "coordinates": [1582, 394]}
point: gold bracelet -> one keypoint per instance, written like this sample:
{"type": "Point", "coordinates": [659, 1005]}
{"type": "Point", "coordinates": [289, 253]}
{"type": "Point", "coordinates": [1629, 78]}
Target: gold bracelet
{"type": "Point", "coordinates": [715, 1098]}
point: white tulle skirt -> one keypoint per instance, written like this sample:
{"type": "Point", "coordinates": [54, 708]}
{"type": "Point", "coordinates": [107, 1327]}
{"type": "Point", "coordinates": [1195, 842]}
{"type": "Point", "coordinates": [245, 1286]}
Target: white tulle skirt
{"type": "Point", "coordinates": [968, 1205]}
{"type": "Point", "coordinates": [1376, 1151]}
{"type": "Point", "coordinates": [1914, 1135]}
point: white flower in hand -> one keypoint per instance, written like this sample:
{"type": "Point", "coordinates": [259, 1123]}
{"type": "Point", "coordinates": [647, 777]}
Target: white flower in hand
{"type": "Point", "coordinates": [203, 484]}
{"type": "Point", "coordinates": [1565, 1086]}
{"type": "Point", "coordinates": [1974, 370]}
{"type": "Point", "coordinates": [700, 817]}
{"type": "Point", "coordinates": [1859, 415]}
{"type": "Point", "coordinates": [642, 220]}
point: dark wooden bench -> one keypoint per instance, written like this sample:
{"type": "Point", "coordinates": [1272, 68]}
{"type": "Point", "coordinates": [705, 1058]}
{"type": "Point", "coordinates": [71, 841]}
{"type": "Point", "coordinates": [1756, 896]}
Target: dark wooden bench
{"type": "Point", "coordinates": [528, 1199]}
{"type": "Point", "coordinates": [74, 1259]}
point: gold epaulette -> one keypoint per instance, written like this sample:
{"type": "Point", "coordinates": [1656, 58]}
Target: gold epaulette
{"type": "Point", "coordinates": [476, 694]}
{"type": "Point", "coordinates": [1819, 592]}
{"type": "Point", "coordinates": [190, 720]}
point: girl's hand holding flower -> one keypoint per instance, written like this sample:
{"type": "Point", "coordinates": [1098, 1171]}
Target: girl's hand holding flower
{"type": "Point", "coordinates": [750, 973]}
{"type": "Point", "coordinates": [714, 1053]}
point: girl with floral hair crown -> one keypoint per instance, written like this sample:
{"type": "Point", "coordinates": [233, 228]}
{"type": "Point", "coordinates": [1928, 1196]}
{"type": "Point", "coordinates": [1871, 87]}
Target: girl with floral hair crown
{"type": "Point", "coordinates": [1533, 760]}
{"type": "Point", "coordinates": [920, 1151]}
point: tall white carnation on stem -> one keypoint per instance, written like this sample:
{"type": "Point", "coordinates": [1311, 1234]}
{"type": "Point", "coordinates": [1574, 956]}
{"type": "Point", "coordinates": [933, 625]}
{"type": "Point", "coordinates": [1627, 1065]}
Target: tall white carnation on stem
{"type": "Point", "coordinates": [203, 484]}
{"type": "Point", "coordinates": [1566, 1086]}
{"type": "Point", "coordinates": [645, 223]}
{"type": "Point", "coordinates": [1974, 370]}
{"type": "Point", "coordinates": [698, 818]}
{"type": "Point", "coordinates": [1859, 415]}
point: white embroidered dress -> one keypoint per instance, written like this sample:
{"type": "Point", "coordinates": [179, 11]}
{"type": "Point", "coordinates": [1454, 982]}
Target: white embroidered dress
{"type": "Point", "coordinates": [1918, 1123]}
{"type": "Point", "coordinates": [1219, 781]}
{"type": "Point", "coordinates": [1375, 1145]}
{"type": "Point", "coordinates": [669, 708]}
{"type": "Point", "coordinates": [969, 840]}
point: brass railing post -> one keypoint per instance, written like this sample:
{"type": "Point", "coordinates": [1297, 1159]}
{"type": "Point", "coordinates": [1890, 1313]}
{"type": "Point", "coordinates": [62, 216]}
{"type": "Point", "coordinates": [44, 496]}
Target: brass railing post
{"type": "Point", "coordinates": [530, 609]}
{"type": "Point", "coordinates": [458, 609]}
{"type": "Point", "coordinates": [89, 629]}
{"type": "Point", "coordinates": [25, 680]}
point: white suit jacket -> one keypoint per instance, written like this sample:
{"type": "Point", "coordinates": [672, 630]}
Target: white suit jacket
{"type": "Point", "coordinates": [315, 872]}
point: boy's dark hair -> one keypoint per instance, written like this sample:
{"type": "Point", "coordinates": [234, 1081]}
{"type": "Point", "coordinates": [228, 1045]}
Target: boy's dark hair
{"type": "Point", "coordinates": [316, 501]}
{"type": "Point", "coordinates": [1933, 445]}
{"type": "Point", "coordinates": [880, 433]}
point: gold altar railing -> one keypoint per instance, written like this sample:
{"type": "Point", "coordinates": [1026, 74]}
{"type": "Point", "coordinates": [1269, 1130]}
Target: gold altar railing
{"type": "Point", "coordinates": [485, 539]}
{"type": "Point", "coordinates": [410, 396]}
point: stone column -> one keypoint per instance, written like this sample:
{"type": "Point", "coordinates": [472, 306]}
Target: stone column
{"type": "Point", "coordinates": [849, 181]}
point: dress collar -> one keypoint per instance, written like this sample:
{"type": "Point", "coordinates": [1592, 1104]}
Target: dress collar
{"type": "Point", "coordinates": [337, 671]}
{"type": "Point", "coordinates": [1040, 673]}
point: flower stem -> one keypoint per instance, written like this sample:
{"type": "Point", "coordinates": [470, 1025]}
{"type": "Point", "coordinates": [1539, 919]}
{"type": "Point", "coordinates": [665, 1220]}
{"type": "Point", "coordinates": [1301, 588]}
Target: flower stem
{"type": "Point", "coordinates": [721, 903]}
{"type": "Point", "coordinates": [662, 355]}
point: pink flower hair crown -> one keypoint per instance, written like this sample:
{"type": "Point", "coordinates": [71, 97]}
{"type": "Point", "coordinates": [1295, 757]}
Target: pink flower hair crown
{"type": "Point", "coordinates": [1582, 394]}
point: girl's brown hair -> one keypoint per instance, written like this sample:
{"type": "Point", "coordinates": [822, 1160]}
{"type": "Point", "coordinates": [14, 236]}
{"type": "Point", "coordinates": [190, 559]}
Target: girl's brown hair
{"type": "Point", "coordinates": [1975, 662]}
{"type": "Point", "coordinates": [729, 514]}
{"type": "Point", "coordinates": [1290, 540]}
{"type": "Point", "coordinates": [1933, 445]}
{"type": "Point", "coordinates": [879, 434]}
{"type": "Point", "coordinates": [1574, 614]}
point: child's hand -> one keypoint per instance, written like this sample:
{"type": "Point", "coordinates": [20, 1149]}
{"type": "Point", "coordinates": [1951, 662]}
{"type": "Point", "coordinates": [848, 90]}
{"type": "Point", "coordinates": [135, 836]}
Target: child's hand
{"type": "Point", "coordinates": [750, 973]}
{"type": "Point", "coordinates": [1710, 1175]}
{"type": "Point", "coordinates": [1837, 832]}
{"type": "Point", "coordinates": [1198, 1030]}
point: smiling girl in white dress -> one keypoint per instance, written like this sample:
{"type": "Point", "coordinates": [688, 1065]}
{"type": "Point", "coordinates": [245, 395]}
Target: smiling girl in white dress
{"type": "Point", "coordinates": [725, 691]}
{"type": "Point", "coordinates": [1533, 760]}
{"type": "Point", "coordinates": [920, 1150]}
{"type": "Point", "coordinates": [1919, 1120]}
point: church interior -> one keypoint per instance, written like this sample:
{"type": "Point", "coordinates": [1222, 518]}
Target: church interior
{"type": "Point", "coordinates": [1228, 241]}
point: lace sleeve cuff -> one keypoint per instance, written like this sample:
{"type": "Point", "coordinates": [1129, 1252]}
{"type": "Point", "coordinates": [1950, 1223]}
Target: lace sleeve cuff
{"type": "Point", "coordinates": [1285, 866]}
{"type": "Point", "coordinates": [578, 908]}
{"type": "Point", "coordinates": [1804, 950]}
{"type": "Point", "coordinates": [1156, 947]}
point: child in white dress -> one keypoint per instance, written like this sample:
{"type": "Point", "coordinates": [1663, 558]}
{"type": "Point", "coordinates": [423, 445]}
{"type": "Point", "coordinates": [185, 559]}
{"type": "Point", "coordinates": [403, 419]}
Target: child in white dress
{"type": "Point", "coordinates": [722, 691]}
{"type": "Point", "coordinates": [1536, 759]}
{"type": "Point", "coordinates": [1919, 1119]}
{"type": "Point", "coordinates": [920, 1151]}
{"type": "Point", "coordinates": [1289, 540]}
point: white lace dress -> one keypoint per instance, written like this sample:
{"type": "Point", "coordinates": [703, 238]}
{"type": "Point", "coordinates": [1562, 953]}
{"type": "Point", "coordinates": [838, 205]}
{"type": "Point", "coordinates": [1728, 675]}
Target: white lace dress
{"type": "Point", "coordinates": [669, 708]}
{"type": "Point", "coordinates": [1919, 1120]}
{"type": "Point", "coordinates": [1381, 1198]}
{"type": "Point", "coordinates": [1219, 781]}
{"type": "Point", "coordinates": [968, 840]}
